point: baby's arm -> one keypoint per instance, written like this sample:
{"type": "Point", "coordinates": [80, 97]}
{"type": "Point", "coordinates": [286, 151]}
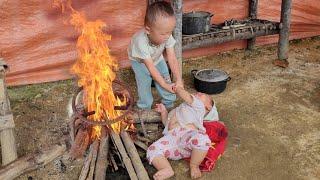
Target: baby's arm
{"type": "Point", "coordinates": [185, 95]}
{"type": "Point", "coordinates": [163, 112]}
{"type": "Point", "coordinates": [157, 76]}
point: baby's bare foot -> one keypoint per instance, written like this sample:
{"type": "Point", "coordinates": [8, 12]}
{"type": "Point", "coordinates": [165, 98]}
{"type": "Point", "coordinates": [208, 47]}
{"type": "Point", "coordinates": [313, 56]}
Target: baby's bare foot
{"type": "Point", "coordinates": [163, 174]}
{"type": "Point", "coordinates": [195, 172]}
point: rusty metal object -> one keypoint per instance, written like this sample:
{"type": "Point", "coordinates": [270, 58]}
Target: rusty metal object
{"type": "Point", "coordinates": [127, 108]}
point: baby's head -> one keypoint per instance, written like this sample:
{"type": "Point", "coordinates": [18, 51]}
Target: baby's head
{"type": "Point", "coordinates": [206, 100]}
{"type": "Point", "coordinates": [159, 22]}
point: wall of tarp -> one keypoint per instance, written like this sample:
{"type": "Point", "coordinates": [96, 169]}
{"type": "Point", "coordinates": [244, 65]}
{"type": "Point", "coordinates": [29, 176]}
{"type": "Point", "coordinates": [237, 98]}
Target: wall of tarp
{"type": "Point", "coordinates": [39, 46]}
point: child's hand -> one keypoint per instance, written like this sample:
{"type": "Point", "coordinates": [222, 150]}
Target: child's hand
{"type": "Point", "coordinates": [169, 87]}
{"type": "Point", "coordinates": [175, 87]}
{"type": "Point", "coordinates": [161, 108]}
{"type": "Point", "coordinates": [179, 83]}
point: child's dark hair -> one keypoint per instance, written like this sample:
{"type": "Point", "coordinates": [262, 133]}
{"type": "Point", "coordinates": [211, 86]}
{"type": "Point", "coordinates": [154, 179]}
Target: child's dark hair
{"type": "Point", "coordinates": [156, 9]}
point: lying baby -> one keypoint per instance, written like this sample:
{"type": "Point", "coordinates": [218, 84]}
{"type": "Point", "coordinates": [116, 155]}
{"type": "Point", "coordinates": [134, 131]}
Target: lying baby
{"type": "Point", "coordinates": [184, 134]}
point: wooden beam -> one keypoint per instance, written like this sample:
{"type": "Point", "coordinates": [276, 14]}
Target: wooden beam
{"type": "Point", "coordinates": [253, 14]}
{"type": "Point", "coordinates": [237, 36]}
{"type": "Point", "coordinates": [177, 33]}
{"type": "Point", "coordinates": [7, 137]}
{"type": "Point", "coordinates": [253, 9]}
{"type": "Point", "coordinates": [283, 44]}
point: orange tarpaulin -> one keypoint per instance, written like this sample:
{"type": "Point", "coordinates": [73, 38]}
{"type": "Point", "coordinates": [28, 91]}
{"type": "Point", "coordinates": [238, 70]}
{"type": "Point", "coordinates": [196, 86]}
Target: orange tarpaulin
{"type": "Point", "coordinates": [39, 47]}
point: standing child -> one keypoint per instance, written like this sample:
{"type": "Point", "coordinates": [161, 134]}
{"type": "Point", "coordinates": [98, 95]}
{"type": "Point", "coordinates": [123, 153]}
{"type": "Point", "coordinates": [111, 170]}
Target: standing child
{"type": "Point", "coordinates": [184, 134]}
{"type": "Point", "coordinates": [146, 55]}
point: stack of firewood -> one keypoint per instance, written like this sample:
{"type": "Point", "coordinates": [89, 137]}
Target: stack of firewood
{"type": "Point", "coordinates": [113, 149]}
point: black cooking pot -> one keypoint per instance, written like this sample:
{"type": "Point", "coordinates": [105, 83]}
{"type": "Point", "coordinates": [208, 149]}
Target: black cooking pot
{"type": "Point", "coordinates": [210, 81]}
{"type": "Point", "coordinates": [196, 22]}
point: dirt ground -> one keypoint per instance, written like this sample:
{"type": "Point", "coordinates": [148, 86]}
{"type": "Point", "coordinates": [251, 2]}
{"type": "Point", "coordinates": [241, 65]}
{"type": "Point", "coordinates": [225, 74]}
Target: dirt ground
{"type": "Point", "coordinates": [272, 115]}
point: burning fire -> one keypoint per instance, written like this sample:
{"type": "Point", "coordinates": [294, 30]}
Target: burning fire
{"type": "Point", "coordinates": [95, 68]}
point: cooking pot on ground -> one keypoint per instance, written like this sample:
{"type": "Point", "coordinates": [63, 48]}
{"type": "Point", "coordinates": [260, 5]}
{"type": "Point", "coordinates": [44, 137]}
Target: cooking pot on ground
{"type": "Point", "coordinates": [210, 81]}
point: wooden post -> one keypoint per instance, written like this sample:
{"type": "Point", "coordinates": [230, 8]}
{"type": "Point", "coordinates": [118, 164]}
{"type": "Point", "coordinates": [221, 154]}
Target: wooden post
{"type": "Point", "coordinates": [8, 144]}
{"type": "Point", "coordinates": [283, 45]}
{"type": "Point", "coordinates": [253, 13]}
{"type": "Point", "coordinates": [177, 33]}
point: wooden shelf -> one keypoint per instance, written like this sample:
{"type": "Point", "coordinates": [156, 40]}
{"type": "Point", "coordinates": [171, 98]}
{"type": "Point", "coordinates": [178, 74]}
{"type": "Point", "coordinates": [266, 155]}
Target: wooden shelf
{"type": "Point", "coordinates": [218, 34]}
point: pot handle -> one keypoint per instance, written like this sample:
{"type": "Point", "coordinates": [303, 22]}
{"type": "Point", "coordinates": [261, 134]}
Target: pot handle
{"type": "Point", "coordinates": [211, 15]}
{"type": "Point", "coordinates": [229, 78]}
{"type": "Point", "coordinates": [193, 72]}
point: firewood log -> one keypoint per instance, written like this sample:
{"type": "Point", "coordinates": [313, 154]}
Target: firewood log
{"type": "Point", "coordinates": [31, 162]}
{"type": "Point", "coordinates": [135, 158]}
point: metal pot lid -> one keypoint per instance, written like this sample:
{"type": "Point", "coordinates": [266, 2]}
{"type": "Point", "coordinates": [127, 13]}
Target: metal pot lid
{"type": "Point", "coordinates": [211, 75]}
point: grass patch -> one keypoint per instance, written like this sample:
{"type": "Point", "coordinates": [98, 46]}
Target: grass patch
{"type": "Point", "coordinates": [29, 92]}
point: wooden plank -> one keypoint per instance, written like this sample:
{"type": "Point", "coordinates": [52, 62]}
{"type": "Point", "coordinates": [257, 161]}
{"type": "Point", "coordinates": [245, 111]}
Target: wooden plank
{"type": "Point", "coordinates": [135, 158]}
{"type": "Point", "coordinates": [125, 158]}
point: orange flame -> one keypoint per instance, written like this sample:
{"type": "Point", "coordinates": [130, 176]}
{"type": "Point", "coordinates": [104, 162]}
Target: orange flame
{"type": "Point", "coordinates": [95, 68]}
